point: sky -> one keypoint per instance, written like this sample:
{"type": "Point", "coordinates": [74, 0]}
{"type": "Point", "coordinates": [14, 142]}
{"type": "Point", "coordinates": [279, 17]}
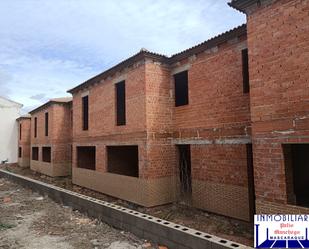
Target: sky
{"type": "Point", "coordinates": [50, 46]}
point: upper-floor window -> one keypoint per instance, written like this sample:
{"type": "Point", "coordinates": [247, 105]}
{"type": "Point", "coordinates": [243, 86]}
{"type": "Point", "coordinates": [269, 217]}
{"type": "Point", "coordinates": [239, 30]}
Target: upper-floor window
{"type": "Point", "coordinates": [245, 70]}
{"type": "Point", "coordinates": [20, 126]}
{"type": "Point", "coordinates": [181, 88]}
{"type": "Point", "coordinates": [121, 103]}
{"type": "Point", "coordinates": [85, 109]}
{"type": "Point", "coordinates": [35, 127]}
{"type": "Point", "coordinates": [46, 123]}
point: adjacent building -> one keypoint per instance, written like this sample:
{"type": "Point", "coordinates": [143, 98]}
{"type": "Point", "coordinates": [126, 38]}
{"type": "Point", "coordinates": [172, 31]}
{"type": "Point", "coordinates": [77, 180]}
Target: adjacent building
{"type": "Point", "coordinates": [9, 111]}
{"type": "Point", "coordinates": [278, 44]}
{"type": "Point", "coordinates": [51, 137]}
{"type": "Point", "coordinates": [24, 129]}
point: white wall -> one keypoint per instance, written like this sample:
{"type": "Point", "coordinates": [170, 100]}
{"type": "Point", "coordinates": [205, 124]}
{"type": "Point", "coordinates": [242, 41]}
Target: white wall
{"type": "Point", "coordinates": [9, 112]}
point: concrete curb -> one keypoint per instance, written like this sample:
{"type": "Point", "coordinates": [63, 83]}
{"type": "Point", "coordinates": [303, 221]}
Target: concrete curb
{"type": "Point", "coordinates": [142, 225]}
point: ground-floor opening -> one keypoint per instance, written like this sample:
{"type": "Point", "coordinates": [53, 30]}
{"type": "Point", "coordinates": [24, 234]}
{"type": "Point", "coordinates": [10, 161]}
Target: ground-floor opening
{"type": "Point", "coordinates": [250, 174]}
{"type": "Point", "coordinates": [35, 153]}
{"type": "Point", "coordinates": [297, 173]}
{"type": "Point", "coordinates": [86, 157]}
{"type": "Point", "coordinates": [123, 160]}
{"type": "Point", "coordinates": [184, 154]}
{"type": "Point", "coordinates": [46, 154]}
{"type": "Point", "coordinates": [19, 152]}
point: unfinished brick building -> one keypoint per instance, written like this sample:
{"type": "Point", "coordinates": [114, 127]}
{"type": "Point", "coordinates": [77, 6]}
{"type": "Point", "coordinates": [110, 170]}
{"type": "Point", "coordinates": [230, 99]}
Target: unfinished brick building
{"type": "Point", "coordinates": [24, 129]}
{"type": "Point", "coordinates": [154, 129]}
{"type": "Point", "coordinates": [51, 137]}
{"type": "Point", "coordinates": [278, 35]}
{"type": "Point", "coordinates": [223, 126]}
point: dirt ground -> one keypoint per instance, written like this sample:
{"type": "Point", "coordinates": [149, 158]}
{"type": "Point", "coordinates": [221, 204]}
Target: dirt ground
{"type": "Point", "coordinates": [27, 220]}
{"type": "Point", "coordinates": [232, 229]}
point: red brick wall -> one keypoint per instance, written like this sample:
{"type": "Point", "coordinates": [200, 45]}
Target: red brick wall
{"type": "Point", "coordinates": [24, 141]}
{"type": "Point", "coordinates": [40, 115]}
{"type": "Point", "coordinates": [218, 114]}
{"type": "Point", "coordinates": [62, 123]}
{"type": "Point", "coordinates": [225, 164]}
{"type": "Point", "coordinates": [278, 35]}
{"type": "Point", "coordinates": [159, 100]}
{"type": "Point", "coordinates": [218, 109]}
{"type": "Point", "coordinates": [161, 157]}
{"type": "Point", "coordinates": [102, 109]}
{"type": "Point", "coordinates": [147, 98]}
{"type": "Point", "coordinates": [217, 105]}
{"type": "Point", "coordinates": [59, 131]}
{"type": "Point", "coordinates": [220, 179]}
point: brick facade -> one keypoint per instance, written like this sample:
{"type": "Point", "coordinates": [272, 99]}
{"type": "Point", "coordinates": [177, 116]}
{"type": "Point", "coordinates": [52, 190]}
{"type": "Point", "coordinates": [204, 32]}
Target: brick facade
{"type": "Point", "coordinates": [58, 139]}
{"type": "Point", "coordinates": [157, 127]}
{"type": "Point", "coordinates": [278, 34]}
{"type": "Point", "coordinates": [24, 126]}
{"type": "Point", "coordinates": [199, 152]}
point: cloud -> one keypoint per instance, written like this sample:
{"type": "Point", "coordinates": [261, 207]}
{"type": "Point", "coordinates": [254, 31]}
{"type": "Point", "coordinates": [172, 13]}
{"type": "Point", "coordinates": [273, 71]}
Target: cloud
{"type": "Point", "coordinates": [40, 96]}
{"type": "Point", "coordinates": [50, 46]}
{"type": "Point", "coordinates": [4, 87]}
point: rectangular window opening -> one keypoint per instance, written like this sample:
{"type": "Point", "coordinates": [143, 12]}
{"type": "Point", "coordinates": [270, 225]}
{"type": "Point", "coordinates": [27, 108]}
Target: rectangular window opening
{"type": "Point", "coordinates": [19, 152]}
{"type": "Point", "coordinates": [35, 127]}
{"type": "Point", "coordinates": [121, 103]}
{"type": "Point", "coordinates": [181, 88]}
{"type": "Point", "coordinates": [35, 153]}
{"type": "Point", "coordinates": [85, 107]}
{"type": "Point", "coordinates": [46, 124]}
{"type": "Point", "coordinates": [20, 126]}
{"type": "Point", "coordinates": [123, 160]}
{"type": "Point", "coordinates": [46, 153]}
{"type": "Point", "coordinates": [296, 157]}
{"type": "Point", "coordinates": [245, 70]}
{"type": "Point", "coordinates": [86, 157]}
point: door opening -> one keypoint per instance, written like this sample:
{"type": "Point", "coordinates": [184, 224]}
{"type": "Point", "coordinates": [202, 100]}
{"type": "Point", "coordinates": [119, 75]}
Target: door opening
{"type": "Point", "coordinates": [297, 173]}
{"type": "Point", "coordinates": [185, 172]}
{"type": "Point", "coordinates": [250, 174]}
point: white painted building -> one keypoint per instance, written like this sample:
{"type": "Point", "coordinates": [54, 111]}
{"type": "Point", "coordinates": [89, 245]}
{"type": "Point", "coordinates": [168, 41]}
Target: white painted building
{"type": "Point", "coordinates": [9, 112]}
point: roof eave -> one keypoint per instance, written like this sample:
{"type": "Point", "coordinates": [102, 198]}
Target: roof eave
{"type": "Point", "coordinates": [131, 60]}
{"type": "Point", "coordinates": [215, 41]}
{"type": "Point", "coordinates": [243, 5]}
{"type": "Point", "coordinates": [21, 118]}
{"type": "Point", "coordinates": [47, 104]}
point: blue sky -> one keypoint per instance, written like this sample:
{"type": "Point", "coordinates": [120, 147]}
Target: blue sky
{"type": "Point", "coordinates": [50, 46]}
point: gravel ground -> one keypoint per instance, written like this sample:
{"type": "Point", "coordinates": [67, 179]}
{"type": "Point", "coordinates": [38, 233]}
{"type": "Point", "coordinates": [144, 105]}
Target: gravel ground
{"type": "Point", "coordinates": [28, 220]}
{"type": "Point", "coordinates": [228, 228]}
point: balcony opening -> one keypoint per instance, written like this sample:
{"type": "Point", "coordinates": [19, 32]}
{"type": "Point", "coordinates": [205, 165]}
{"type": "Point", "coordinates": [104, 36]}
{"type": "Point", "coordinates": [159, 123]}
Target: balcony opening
{"type": "Point", "coordinates": [46, 153]}
{"type": "Point", "coordinates": [35, 153]}
{"type": "Point", "coordinates": [297, 173]}
{"type": "Point", "coordinates": [86, 157]}
{"type": "Point", "coordinates": [122, 160]}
